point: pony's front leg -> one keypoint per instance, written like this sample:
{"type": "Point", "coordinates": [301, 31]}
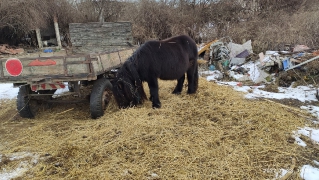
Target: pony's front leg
{"type": "Point", "coordinates": [192, 78]}
{"type": "Point", "coordinates": [179, 87]}
{"type": "Point", "coordinates": [153, 85]}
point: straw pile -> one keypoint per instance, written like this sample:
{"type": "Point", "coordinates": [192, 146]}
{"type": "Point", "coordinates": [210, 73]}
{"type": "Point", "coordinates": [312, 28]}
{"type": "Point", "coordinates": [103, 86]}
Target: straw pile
{"type": "Point", "coordinates": [214, 134]}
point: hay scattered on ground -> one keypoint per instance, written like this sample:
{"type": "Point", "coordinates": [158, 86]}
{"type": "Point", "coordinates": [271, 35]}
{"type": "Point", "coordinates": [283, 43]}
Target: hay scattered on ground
{"type": "Point", "coordinates": [214, 134]}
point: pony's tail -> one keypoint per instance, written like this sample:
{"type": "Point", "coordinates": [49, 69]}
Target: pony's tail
{"type": "Point", "coordinates": [196, 76]}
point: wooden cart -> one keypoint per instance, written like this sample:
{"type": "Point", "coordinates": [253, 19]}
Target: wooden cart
{"type": "Point", "coordinates": [38, 78]}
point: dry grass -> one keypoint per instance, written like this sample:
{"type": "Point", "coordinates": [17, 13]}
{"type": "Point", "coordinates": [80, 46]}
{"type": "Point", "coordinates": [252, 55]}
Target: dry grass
{"type": "Point", "coordinates": [214, 134]}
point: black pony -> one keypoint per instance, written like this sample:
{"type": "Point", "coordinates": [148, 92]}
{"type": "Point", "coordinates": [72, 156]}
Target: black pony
{"type": "Point", "coordinates": [167, 59]}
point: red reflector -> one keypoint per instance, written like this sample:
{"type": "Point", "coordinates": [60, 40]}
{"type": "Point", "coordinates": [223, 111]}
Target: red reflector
{"type": "Point", "coordinates": [47, 62]}
{"type": "Point", "coordinates": [14, 67]}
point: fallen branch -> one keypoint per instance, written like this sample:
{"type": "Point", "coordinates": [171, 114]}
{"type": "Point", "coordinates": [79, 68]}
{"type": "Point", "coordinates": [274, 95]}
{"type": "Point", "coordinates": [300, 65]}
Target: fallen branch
{"type": "Point", "coordinates": [308, 61]}
{"type": "Point", "coordinates": [65, 111]}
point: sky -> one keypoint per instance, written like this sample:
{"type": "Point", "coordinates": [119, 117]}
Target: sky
{"type": "Point", "coordinates": [301, 93]}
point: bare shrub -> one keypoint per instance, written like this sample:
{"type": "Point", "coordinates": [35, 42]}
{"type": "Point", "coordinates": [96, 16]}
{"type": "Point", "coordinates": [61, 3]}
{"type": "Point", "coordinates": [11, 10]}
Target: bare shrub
{"type": "Point", "coordinates": [269, 24]}
{"type": "Point", "coordinates": [276, 23]}
{"type": "Point", "coordinates": [21, 17]}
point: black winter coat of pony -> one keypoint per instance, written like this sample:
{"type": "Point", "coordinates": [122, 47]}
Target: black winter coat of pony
{"type": "Point", "coordinates": [167, 59]}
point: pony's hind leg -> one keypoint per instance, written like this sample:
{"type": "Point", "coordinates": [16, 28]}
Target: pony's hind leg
{"type": "Point", "coordinates": [153, 85]}
{"type": "Point", "coordinates": [179, 87]}
{"type": "Point", "coordinates": [192, 78]}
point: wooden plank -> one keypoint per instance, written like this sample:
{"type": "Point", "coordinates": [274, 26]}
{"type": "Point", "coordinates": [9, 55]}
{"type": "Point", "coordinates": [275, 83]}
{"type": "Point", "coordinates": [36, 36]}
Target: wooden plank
{"type": "Point", "coordinates": [1, 69]}
{"type": "Point", "coordinates": [125, 54]}
{"type": "Point", "coordinates": [74, 69]}
{"type": "Point", "coordinates": [75, 59]}
{"type": "Point", "coordinates": [110, 60]}
{"type": "Point", "coordinates": [97, 67]}
{"type": "Point", "coordinates": [65, 69]}
{"type": "Point", "coordinates": [99, 36]}
{"type": "Point", "coordinates": [39, 70]}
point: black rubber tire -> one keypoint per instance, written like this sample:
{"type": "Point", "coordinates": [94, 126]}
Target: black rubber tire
{"type": "Point", "coordinates": [99, 98]}
{"type": "Point", "coordinates": [23, 103]}
{"type": "Point", "coordinates": [27, 107]}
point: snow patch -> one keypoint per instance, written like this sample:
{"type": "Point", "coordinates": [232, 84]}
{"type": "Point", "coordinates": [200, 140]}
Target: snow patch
{"type": "Point", "coordinates": [21, 168]}
{"type": "Point", "coordinates": [309, 173]}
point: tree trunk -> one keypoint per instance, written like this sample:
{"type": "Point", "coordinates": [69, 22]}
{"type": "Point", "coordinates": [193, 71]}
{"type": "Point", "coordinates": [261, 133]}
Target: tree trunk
{"type": "Point", "coordinates": [37, 31]}
{"type": "Point", "coordinates": [57, 32]}
{"type": "Point", "coordinates": [101, 15]}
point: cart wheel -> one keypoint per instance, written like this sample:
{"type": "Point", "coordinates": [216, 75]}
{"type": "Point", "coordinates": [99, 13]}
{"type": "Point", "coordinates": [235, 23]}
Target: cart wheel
{"type": "Point", "coordinates": [100, 95]}
{"type": "Point", "coordinates": [27, 106]}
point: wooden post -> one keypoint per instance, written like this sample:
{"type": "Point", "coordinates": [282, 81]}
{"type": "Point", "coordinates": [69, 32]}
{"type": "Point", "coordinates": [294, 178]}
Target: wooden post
{"type": "Point", "coordinates": [101, 15]}
{"type": "Point", "coordinates": [37, 31]}
{"type": "Point", "coordinates": [57, 32]}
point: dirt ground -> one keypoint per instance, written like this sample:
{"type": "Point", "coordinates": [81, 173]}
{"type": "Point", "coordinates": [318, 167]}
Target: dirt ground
{"type": "Point", "coordinates": [214, 134]}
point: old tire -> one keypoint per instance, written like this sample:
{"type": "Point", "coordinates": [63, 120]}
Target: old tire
{"type": "Point", "coordinates": [25, 105]}
{"type": "Point", "coordinates": [100, 95]}
{"type": "Point", "coordinates": [28, 107]}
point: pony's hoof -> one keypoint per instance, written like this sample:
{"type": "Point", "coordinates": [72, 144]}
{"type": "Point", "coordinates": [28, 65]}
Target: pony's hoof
{"type": "Point", "coordinates": [176, 92]}
{"type": "Point", "coordinates": [155, 106]}
{"type": "Point", "coordinates": [191, 92]}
